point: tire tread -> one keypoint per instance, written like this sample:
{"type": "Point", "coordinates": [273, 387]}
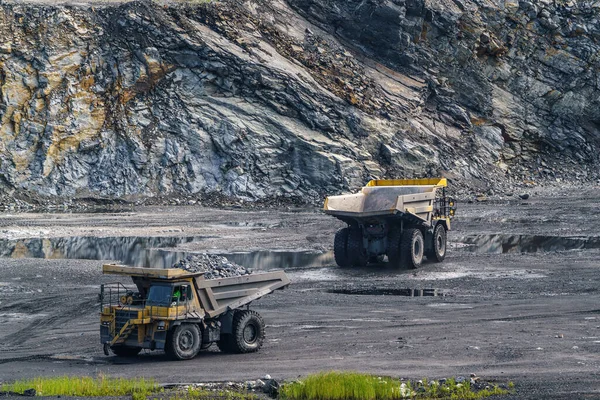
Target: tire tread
{"type": "Point", "coordinates": [394, 251]}
{"type": "Point", "coordinates": [406, 248]}
{"type": "Point", "coordinates": [340, 248]}
{"type": "Point", "coordinates": [356, 254]}
{"type": "Point", "coordinates": [240, 319]}
{"type": "Point", "coordinates": [432, 254]}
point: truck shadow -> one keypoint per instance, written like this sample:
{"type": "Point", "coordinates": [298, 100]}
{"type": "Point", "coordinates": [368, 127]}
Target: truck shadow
{"type": "Point", "coordinates": [158, 356]}
{"type": "Point", "coordinates": [383, 268]}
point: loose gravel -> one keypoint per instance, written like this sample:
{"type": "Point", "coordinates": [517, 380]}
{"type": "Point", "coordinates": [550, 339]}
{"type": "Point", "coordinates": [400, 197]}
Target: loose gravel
{"type": "Point", "coordinates": [213, 266]}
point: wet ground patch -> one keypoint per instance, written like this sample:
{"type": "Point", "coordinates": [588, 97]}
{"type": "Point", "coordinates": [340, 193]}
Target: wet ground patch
{"type": "Point", "coordinates": [156, 252]}
{"type": "Point", "coordinates": [245, 224]}
{"type": "Point", "coordinates": [408, 292]}
{"type": "Point", "coordinates": [267, 260]}
{"type": "Point", "coordinates": [131, 250]}
{"type": "Point", "coordinates": [504, 243]}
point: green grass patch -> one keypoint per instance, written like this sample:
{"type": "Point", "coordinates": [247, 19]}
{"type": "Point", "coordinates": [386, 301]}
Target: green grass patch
{"type": "Point", "coordinates": [138, 388]}
{"type": "Point", "coordinates": [356, 386]}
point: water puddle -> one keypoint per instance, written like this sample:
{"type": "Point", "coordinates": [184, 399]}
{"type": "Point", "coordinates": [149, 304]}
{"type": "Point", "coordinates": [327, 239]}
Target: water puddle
{"type": "Point", "coordinates": [389, 292]}
{"type": "Point", "coordinates": [130, 250]}
{"type": "Point", "coordinates": [70, 210]}
{"type": "Point", "coordinates": [527, 243]}
{"type": "Point", "coordinates": [267, 260]}
{"type": "Point", "coordinates": [460, 306]}
{"type": "Point", "coordinates": [156, 252]}
{"type": "Point", "coordinates": [244, 224]}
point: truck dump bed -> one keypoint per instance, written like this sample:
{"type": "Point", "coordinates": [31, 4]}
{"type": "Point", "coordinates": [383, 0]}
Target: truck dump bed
{"type": "Point", "coordinates": [216, 296]}
{"type": "Point", "coordinates": [402, 197]}
{"type": "Point", "coordinates": [219, 295]}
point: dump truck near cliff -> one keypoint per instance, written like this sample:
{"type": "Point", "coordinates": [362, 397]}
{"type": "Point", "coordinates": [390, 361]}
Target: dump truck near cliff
{"type": "Point", "coordinates": [403, 219]}
{"type": "Point", "coordinates": [181, 313]}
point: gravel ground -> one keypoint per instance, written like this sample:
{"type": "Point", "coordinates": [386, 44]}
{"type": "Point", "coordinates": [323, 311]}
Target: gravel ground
{"type": "Point", "coordinates": [500, 310]}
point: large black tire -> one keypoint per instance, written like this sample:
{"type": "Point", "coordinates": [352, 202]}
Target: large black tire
{"type": "Point", "coordinates": [248, 331]}
{"type": "Point", "coordinates": [340, 248]}
{"type": "Point", "coordinates": [411, 248]}
{"type": "Point", "coordinates": [184, 342]}
{"type": "Point", "coordinates": [123, 351]}
{"type": "Point", "coordinates": [437, 252]}
{"type": "Point", "coordinates": [394, 250]}
{"type": "Point", "coordinates": [357, 256]}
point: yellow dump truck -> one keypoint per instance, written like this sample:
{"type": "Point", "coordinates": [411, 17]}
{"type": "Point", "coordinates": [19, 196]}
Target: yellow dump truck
{"type": "Point", "coordinates": [404, 219]}
{"type": "Point", "coordinates": [181, 312]}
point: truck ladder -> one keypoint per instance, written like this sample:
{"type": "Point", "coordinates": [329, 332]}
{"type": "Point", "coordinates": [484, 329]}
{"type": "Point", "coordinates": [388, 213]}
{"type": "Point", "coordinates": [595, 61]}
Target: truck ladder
{"type": "Point", "coordinates": [123, 334]}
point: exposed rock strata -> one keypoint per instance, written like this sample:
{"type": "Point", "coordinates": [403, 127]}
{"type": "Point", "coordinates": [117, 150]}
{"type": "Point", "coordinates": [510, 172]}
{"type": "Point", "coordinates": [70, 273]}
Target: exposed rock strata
{"type": "Point", "coordinates": [267, 99]}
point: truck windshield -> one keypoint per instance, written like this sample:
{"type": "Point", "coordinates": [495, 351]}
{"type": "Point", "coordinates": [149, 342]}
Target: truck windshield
{"type": "Point", "coordinates": [159, 295]}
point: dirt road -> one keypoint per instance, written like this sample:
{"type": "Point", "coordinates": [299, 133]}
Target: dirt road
{"type": "Point", "coordinates": [516, 299]}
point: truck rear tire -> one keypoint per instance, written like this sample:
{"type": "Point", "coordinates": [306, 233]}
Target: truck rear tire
{"type": "Point", "coordinates": [248, 331]}
{"type": "Point", "coordinates": [437, 253]}
{"type": "Point", "coordinates": [412, 247]}
{"type": "Point", "coordinates": [124, 351]}
{"type": "Point", "coordinates": [340, 248]}
{"type": "Point", "coordinates": [394, 250]}
{"type": "Point", "coordinates": [357, 256]}
{"type": "Point", "coordinates": [184, 342]}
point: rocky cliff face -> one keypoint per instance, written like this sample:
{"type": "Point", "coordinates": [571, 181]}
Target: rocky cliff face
{"type": "Point", "coordinates": [296, 99]}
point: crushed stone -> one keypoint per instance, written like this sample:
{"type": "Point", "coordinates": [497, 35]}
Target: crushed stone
{"type": "Point", "coordinates": [213, 266]}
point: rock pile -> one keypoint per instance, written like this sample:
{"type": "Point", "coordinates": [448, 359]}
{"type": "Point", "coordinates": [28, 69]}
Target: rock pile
{"type": "Point", "coordinates": [213, 266]}
{"type": "Point", "coordinates": [266, 385]}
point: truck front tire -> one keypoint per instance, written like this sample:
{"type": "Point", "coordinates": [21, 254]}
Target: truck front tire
{"type": "Point", "coordinates": [394, 248]}
{"type": "Point", "coordinates": [340, 248]}
{"type": "Point", "coordinates": [437, 252]}
{"type": "Point", "coordinates": [184, 342]}
{"type": "Point", "coordinates": [357, 256]}
{"type": "Point", "coordinates": [248, 332]}
{"type": "Point", "coordinates": [412, 247]}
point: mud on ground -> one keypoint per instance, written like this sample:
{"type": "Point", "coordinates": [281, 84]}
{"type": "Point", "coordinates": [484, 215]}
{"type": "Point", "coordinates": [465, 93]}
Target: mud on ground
{"type": "Point", "coordinates": [514, 299]}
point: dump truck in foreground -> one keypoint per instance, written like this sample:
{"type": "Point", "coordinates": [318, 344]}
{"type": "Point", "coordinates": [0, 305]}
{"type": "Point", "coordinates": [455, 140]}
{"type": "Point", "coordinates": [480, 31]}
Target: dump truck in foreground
{"type": "Point", "coordinates": [403, 219]}
{"type": "Point", "coordinates": [181, 313]}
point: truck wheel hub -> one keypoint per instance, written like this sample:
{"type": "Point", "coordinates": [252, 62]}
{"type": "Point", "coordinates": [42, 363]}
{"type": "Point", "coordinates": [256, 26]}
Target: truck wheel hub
{"type": "Point", "coordinates": [250, 333]}
{"type": "Point", "coordinates": [417, 247]}
{"type": "Point", "coordinates": [186, 341]}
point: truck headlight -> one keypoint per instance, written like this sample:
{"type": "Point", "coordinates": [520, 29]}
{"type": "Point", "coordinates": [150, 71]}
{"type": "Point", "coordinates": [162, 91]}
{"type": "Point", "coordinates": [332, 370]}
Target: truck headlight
{"type": "Point", "coordinates": [160, 326]}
